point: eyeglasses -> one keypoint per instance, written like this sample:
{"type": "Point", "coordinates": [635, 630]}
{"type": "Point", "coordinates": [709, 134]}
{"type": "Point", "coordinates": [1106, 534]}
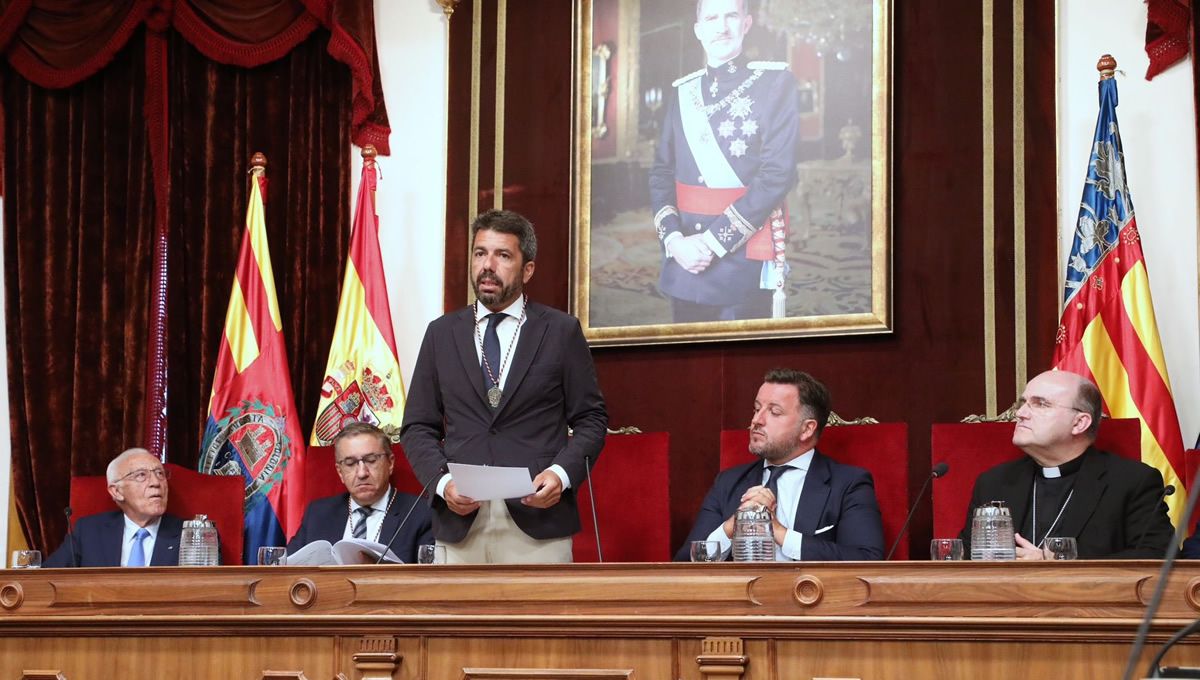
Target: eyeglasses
{"type": "Point", "coordinates": [1041, 405]}
{"type": "Point", "coordinates": [143, 475]}
{"type": "Point", "coordinates": [371, 460]}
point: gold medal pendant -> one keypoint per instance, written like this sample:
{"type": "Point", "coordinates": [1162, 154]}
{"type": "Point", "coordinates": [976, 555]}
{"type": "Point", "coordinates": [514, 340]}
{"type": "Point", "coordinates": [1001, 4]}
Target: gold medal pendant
{"type": "Point", "coordinates": [494, 395]}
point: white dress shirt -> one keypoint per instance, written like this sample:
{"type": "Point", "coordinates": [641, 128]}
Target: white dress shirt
{"type": "Point", "coordinates": [509, 333]}
{"type": "Point", "coordinates": [790, 485]}
{"type": "Point", "coordinates": [374, 520]}
{"type": "Point", "coordinates": [147, 543]}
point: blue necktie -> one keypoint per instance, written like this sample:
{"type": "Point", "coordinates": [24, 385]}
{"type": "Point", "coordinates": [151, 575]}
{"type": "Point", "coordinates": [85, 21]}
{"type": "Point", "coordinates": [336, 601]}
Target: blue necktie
{"type": "Point", "coordinates": [360, 528]}
{"type": "Point", "coordinates": [491, 352]}
{"type": "Point", "coordinates": [774, 472]}
{"type": "Point", "coordinates": [137, 556]}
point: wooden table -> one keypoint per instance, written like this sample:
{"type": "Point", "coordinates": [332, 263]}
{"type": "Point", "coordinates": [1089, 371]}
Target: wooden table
{"type": "Point", "coordinates": [868, 620]}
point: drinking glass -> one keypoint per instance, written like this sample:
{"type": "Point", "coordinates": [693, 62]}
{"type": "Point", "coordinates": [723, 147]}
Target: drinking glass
{"type": "Point", "coordinates": [431, 554]}
{"type": "Point", "coordinates": [942, 549]}
{"type": "Point", "coordinates": [1062, 548]}
{"type": "Point", "coordinates": [706, 551]}
{"type": "Point", "coordinates": [26, 559]}
{"type": "Point", "coordinates": [272, 556]}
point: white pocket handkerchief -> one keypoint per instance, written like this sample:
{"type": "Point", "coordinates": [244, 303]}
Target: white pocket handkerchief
{"type": "Point", "coordinates": [823, 530]}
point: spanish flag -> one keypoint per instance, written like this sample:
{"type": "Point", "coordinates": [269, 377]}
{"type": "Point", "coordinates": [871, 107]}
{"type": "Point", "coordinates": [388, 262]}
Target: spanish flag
{"type": "Point", "coordinates": [362, 377]}
{"type": "Point", "coordinates": [1108, 331]}
{"type": "Point", "coordinates": [253, 427]}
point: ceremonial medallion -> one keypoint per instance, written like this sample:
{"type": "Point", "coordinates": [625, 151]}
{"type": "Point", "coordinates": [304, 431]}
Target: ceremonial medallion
{"type": "Point", "coordinates": [494, 395]}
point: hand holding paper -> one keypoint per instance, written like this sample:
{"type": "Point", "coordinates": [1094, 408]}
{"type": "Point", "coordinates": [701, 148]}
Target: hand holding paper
{"type": "Point", "coordinates": [489, 483]}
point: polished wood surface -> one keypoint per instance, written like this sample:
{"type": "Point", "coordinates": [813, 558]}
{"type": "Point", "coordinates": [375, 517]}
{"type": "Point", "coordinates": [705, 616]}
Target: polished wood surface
{"type": "Point", "coordinates": [590, 622]}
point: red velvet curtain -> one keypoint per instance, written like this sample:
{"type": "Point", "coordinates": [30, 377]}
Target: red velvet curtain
{"type": "Point", "coordinates": [128, 129]}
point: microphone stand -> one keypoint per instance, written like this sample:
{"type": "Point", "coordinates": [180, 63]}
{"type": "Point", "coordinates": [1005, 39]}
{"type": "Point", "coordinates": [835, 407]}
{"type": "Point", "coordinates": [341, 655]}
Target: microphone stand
{"type": "Point", "coordinates": [587, 467]}
{"type": "Point", "coordinates": [388, 546]}
{"type": "Point", "coordinates": [1139, 641]}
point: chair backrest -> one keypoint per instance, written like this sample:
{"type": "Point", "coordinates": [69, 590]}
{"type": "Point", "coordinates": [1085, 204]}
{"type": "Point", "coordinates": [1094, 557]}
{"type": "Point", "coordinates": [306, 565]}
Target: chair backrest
{"type": "Point", "coordinates": [190, 493]}
{"type": "Point", "coordinates": [1191, 461]}
{"type": "Point", "coordinates": [881, 449]}
{"type": "Point", "coordinates": [321, 478]}
{"type": "Point", "coordinates": [972, 448]}
{"type": "Point", "coordinates": [633, 501]}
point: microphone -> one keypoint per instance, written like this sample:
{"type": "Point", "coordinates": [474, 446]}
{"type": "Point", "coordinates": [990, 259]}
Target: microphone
{"type": "Point", "coordinates": [1139, 642]}
{"type": "Point", "coordinates": [587, 467]}
{"type": "Point", "coordinates": [70, 540]}
{"type": "Point", "coordinates": [939, 470]}
{"type": "Point", "coordinates": [1146, 524]}
{"type": "Point", "coordinates": [388, 546]}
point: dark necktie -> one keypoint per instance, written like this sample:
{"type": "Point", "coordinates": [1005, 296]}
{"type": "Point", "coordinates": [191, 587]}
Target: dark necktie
{"type": "Point", "coordinates": [491, 352]}
{"type": "Point", "coordinates": [360, 527]}
{"type": "Point", "coordinates": [774, 472]}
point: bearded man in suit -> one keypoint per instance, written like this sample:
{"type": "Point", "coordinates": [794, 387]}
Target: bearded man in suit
{"type": "Point", "coordinates": [501, 382]}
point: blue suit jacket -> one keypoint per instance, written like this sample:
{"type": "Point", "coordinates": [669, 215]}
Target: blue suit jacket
{"type": "Point", "coordinates": [97, 540]}
{"type": "Point", "coordinates": [325, 519]}
{"type": "Point", "coordinates": [841, 496]}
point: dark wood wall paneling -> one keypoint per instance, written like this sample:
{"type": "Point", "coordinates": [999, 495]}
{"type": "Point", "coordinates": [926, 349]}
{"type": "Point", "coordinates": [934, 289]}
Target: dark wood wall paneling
{"type": "Point", "coordinates": [931, 369]}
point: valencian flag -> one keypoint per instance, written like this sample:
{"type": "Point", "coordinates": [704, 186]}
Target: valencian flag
{"type": "Point", "coordinates": [253, 427]}
{"type": "Point", "coordinates": [1108, 330]}
{"type": "Point", "coordinates": [362, 377]}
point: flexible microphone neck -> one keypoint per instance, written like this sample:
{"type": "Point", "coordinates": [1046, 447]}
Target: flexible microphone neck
{"type": "Point", "coordinates": [587, 468]}
{"type": "Point", "coordinates": [70, 540]}
{"type": "Point", "coordinates": [1139, 641]}
{"type": "Point", "coordinates": [1167, 491]}
{"type": "Point", "coordinates": [938, 470]}
{"type": "Point", "coordinates": [388, 546]}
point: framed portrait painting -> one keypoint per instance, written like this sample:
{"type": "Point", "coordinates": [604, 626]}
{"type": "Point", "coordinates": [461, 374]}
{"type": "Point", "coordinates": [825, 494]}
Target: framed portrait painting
{"type": "Point", "coordinates": [732, 169]}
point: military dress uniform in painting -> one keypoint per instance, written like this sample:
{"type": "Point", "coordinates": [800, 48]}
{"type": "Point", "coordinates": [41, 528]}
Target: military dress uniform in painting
{"type": "Point", "coordinates": [725, 163]}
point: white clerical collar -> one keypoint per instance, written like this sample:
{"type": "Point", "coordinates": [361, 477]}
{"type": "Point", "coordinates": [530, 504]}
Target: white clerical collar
{"type": "Point", "coordinates": [800, 462]}
{"type": "Point", "coordinates": [1051, 472]}
{"type": "Point", "coordinates": [514, 310]}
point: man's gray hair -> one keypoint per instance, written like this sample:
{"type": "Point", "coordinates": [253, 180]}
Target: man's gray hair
{"type": "Point", "coordinates": [115, 465]}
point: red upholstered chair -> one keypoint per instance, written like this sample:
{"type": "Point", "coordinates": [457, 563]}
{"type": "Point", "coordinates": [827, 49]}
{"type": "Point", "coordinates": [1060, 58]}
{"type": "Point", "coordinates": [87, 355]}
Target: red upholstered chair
{"type": "Point", "coordinates": [191, 493]}
{"type": "Point", "coordinates": [971, 448]}
{"type": "Point", "coordinates": [321, 478]}
{"type": "Point", "coordinates": [881, 449]}
{"type": "Point", "coordinates": [1191, 461]}
{"type": "Point", "coordinates": [633, 501]}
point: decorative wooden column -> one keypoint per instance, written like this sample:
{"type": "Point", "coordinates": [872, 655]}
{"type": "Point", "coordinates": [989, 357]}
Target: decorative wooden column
{"type": "Point", "coordinates": [722, 657]}
{"type": "Point", "coordinates": [376, 658]}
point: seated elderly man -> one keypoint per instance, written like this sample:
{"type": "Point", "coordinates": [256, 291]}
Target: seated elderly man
{"type": "Point", "coordinates": [371, 508]}
{"type": "Point", "coordinates": [1065, 486]}
{"type": "Point", "coordinates": [139, 533]}
{"type": "Point", "coordinates": [821, 509]}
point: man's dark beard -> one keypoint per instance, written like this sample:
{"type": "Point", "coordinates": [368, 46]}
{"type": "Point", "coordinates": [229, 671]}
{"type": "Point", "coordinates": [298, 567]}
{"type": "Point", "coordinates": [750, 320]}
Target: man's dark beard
{"type": "Point", "coordinates": [773, 451]}
{"type": "Point", "coordinates": [507, 293]}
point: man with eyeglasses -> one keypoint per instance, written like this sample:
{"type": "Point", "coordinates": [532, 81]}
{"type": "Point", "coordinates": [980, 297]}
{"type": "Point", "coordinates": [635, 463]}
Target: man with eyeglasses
{"type": "Point", "coordinates": [1064, 486]}
{"type": "Point", "coordinates": [371, 508]}
{"type": "Point", "coordinates": [140, 533]}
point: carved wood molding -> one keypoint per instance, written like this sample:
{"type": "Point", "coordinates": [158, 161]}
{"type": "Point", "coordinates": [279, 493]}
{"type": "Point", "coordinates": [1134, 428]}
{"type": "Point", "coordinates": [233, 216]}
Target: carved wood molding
{"type": "Point", "coordinates": [286, 675]}
{"type": "Point", "coordinates": [11, 596]}
{"type": "Point", "coordinates": [303, 593]}
{"type": "Point", "coordinates": [547, 674]}
{"type": "Point", "coordinates": [376, 658]}
{"type": "Point", "coordinates": [43, 675]}
{"type": "Point", "coordinates": [836, 420]}
{"type": "Point", "coordinates": [722, 657]}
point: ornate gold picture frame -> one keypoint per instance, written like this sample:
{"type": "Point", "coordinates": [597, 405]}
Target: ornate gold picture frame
{"type": "Point", "coordinates": [804, 103]}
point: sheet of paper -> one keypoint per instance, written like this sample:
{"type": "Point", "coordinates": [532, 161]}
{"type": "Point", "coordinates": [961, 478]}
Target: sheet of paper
{"type": "Point", "coordinates": [491, 483]}
{"type": "Point", "coordinates": [315, 554]}
{"type": "Point", "coordinates": [362, 551]}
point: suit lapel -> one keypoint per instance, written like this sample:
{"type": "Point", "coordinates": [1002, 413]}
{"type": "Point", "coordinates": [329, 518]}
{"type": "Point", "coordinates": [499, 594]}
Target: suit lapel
{"type": "Point", "coordinates": [392, 519]}
{"type": "Point", "coordinates": [112, 547]}
{"type": "Point", "coordinates": [336, 528]}
{"type": "Point", "coordinates": [813, 496]}
{"type": "Point", "coordinates": [528, 344]}
{"type": "Point", "coordinates": [1086, 493]}
{"type": "Point", "coordinates": [166, 544]}
{"type": "Point", "coordinates": [464, 342]}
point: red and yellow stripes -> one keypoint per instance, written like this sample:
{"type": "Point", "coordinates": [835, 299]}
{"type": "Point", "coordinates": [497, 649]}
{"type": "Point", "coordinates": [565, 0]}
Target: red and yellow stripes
{"type": "Point", "coordinates": [1110, 334]}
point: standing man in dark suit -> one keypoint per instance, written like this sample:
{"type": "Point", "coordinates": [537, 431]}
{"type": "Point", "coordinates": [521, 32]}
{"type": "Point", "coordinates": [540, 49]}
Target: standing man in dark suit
{"type": "Point", "coordinates": [1112, 506]}
{"type": "Point", "coordinates": [499, 383]}
{"type": "Point", "coordinates": [371, 508]}
{"type": "Point", "coordinates": [821, 509]}
{"type": "Point", "coordinates": [140, 533]}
